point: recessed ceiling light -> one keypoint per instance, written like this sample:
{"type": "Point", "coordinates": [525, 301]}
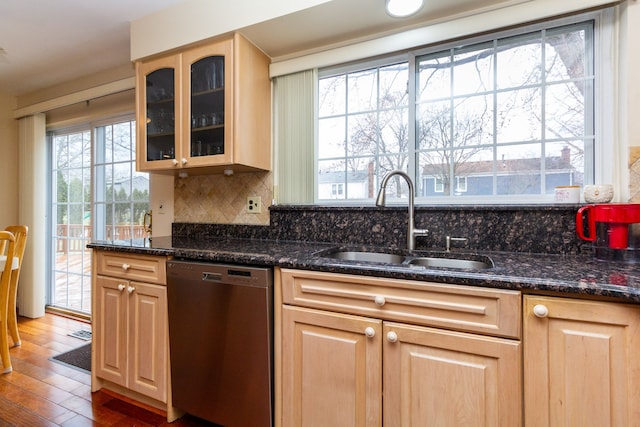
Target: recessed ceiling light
{"type": "Point", "coordinates": [403, 8]}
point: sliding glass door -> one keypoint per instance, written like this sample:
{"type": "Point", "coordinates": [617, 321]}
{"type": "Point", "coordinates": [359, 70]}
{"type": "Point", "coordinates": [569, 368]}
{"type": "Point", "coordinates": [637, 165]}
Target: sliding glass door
{"type": "Point", "coordinates": [70, 279]}
{"type": "Point", "coordinates": [95, 194]}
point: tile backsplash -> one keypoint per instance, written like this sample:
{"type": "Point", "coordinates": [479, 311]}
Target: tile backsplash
{"type": "Point", "coordinates": [634, 174]}
{"type": "Point", "coordinates": [222, 199]}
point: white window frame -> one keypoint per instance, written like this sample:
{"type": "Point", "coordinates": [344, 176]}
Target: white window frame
{"type": "Point", "coordinates": [605, 93]}
{"type": "Point", "coordinates": [337, 189]}
{"type": "Point", "coordinates": [461, 184]}
{"type": "Point", "coordinates": [438, 185]}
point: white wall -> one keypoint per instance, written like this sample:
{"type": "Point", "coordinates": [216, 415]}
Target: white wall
{"type": "Point", "coordinates": [9, 156]}
{"type": "Point", "coordinates": [628, 103]}
{"type": "Point", "coordinates": [161, 203]}
{"type": "Point", "coordinates": [630, 73]}
{"type": "Point", "coordinates": [196, 20]}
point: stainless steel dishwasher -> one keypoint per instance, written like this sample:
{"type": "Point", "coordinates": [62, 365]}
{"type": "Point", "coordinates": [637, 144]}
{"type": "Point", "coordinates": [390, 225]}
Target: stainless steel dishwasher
{"type": "Point", "coordinates": [220, 338]}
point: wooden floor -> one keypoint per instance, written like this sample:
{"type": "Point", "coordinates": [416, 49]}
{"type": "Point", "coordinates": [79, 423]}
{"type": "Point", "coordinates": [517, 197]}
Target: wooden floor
{"type": "Point", "coordinates": [40, 392]}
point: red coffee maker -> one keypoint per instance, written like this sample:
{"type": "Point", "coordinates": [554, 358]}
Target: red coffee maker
{"type": "Point", "coordinates": [614, 230]}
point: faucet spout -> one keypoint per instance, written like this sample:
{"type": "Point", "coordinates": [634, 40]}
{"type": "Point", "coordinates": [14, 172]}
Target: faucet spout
{"type": "Point", "coordinates": [412, 232]}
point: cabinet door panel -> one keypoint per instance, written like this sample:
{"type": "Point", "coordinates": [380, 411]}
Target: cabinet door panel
{"type": "Point", "coordinates": [331, 369]}
{"type": "Point", "coordinates": [208, 114]}
{"type": "Point", "coordinates": [111, 340]}
{"type": "Point", "coordinates": [147, 335]}
{"type": "Point", "coordinates": [158, 113]}
{"type": "Point", "coordinates": [440, 378]}
{"type": "Point", "coordinates": [580, 363]}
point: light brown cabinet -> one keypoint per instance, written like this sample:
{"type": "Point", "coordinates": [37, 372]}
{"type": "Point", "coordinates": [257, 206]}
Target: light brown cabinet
{"type": "Point", "coordinates": [131, 345]}
{"type": "Point", "coordinates": [346, 341]}
{"type": "Point", "coordinates": [581, 362]}
{"type": "Point", "coordinates": [207, 107]}
{"type": "Point", "coordinates": [130, 330]}
{"type": "Point", "coordinates": [331, 370]}
{"type": "Point", "coordinates": [434, 377]}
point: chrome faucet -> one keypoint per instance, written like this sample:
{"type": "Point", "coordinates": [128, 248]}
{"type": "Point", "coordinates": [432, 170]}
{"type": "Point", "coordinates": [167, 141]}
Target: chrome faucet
{"type": "Point", "coordinates": [380, 201]}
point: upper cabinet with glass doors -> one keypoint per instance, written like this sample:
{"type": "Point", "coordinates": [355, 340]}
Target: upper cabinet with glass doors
{"type": "Point", "coordinates": [207, 107]}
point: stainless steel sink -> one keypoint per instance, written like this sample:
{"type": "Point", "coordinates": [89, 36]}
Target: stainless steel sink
{"type": "Point", "coordinates": [379, 257]}
{"type": "Point", "coordinates": [465, 264]}
{"type": "Point", "coordinates": [432, 260]}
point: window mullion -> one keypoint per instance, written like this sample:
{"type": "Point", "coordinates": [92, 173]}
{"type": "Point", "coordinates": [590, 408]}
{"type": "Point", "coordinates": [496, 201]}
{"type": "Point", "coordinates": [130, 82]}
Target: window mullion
{"type": "Point", "coordinates": [98, 217]}
{"type": "Point", "coordinates": [412, 146]}
{"type": "Point", "coordinates": [494, 141]}
{"type": "Point", "coordinates": [345, 169]}
{"type": "Point", "coordinates": [543, 115]}
{"type": "Point", "coordinates": [452, 118]}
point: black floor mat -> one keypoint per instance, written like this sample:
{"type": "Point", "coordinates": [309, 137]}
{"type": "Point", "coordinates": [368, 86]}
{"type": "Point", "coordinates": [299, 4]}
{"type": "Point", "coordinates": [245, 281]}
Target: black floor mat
{"type": "Point", "coordinates": [79, 358]}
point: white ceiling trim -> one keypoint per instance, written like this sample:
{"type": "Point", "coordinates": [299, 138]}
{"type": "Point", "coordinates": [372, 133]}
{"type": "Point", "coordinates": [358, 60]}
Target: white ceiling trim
{"type": "Point", "coordinates": [472, 22]}
{"type": "Point", "coordinates": [76, 97]}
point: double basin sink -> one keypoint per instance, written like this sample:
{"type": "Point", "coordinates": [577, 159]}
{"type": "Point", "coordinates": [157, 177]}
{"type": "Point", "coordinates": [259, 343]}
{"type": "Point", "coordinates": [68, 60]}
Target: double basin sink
{"type": "Point", "coordinates": [450, 260]}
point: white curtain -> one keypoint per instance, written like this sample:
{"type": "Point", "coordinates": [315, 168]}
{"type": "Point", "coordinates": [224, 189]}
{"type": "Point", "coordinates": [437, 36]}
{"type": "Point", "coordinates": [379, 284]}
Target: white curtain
{"type": "Point", "coordinates": [293, 113]}
{"type": "Point", "coordinates": [32, 208]}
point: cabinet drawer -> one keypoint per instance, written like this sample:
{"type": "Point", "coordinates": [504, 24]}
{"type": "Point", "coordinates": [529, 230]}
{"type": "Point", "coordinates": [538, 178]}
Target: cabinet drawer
{"type": "Point", "coordinates": [145, 268]}
{"type": "Point", "coordinates": [487, 311]}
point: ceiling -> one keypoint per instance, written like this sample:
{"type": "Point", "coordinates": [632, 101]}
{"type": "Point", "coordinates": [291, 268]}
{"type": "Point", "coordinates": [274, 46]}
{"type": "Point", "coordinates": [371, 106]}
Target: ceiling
{"type": "Point", "coordinates": [343, 21]}
{"type": "Point", "coordinates": [59, 41]}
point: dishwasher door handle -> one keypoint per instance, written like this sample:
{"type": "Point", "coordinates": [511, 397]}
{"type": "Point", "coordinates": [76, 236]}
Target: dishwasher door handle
{"type": "Point", "coordinates": [211, 277]}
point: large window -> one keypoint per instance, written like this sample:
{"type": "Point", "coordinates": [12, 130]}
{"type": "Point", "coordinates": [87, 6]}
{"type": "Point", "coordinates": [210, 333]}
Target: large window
{"type": "Point", "coordinates": [502, 118]}
{"type": "Point", "coordinates": [95, 194]}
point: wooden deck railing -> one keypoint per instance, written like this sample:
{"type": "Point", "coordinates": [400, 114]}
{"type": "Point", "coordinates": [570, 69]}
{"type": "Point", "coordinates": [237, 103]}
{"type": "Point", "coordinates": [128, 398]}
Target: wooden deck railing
{"type": "Point", "coordinates": [73, 237]}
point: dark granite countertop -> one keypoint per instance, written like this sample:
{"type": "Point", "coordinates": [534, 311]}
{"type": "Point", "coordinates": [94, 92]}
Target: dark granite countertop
{"type": "Point", "coordinates": [577, 275]}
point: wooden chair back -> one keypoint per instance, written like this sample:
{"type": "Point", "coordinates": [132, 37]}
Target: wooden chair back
{"type": "Point", "coordinates": [20, 232]}
{"type": "Point", "coordinates": [7, 249]}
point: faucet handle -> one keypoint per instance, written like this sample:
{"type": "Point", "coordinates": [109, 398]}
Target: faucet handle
{"type": "Point", "coordinates": [420, 232]}
{"type": "Point", "coordinates": [450, 239]}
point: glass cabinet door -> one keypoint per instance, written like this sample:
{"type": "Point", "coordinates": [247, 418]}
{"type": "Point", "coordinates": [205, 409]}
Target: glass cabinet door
{"type": "Point", "coordinates": [206, 136]}
{"type": "Point", "coordinates": [160, 120]}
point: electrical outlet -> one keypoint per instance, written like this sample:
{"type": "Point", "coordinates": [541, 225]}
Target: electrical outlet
{"type": "Point", "coordinates": [254, 204]}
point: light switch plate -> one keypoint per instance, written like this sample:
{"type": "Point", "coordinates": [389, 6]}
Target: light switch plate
{"type": "Point", "coordinates": [254, 204]}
